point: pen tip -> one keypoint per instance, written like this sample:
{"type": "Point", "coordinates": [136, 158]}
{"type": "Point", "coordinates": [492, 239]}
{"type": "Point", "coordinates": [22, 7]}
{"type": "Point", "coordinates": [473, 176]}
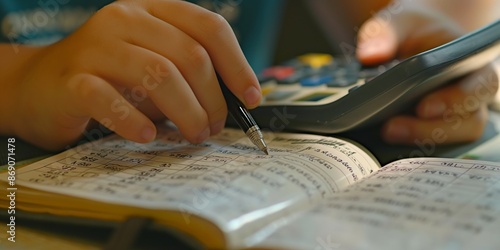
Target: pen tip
{"type": "Point", "coordinates": [262, 146]}
{"type": "Point", "coordinates": [257, 139]}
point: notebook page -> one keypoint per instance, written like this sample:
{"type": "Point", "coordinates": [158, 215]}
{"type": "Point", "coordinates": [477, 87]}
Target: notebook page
{"type": "Point", "coordinates": [225, 179]}
{"type": "Point", "coordinates": [411, 204]}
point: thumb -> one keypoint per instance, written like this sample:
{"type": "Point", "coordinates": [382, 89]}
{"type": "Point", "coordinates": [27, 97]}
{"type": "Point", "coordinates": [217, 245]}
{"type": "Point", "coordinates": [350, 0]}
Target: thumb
{"type": "Point", "coordinates": [412, 30]}
{"type": "Point", "coordinates": [377, 41]}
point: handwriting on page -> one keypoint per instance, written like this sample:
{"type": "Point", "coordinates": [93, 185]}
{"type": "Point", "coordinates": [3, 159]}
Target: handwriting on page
{"type": "Point", "coordinates": [223, 179]}
{"type": "Point", "coordinates": [432, 203]}
{"type": "Point", "coordinates": [432, 193]}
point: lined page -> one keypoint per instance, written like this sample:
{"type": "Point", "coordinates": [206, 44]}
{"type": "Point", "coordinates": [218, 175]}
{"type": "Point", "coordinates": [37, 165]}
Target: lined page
{"type": "Point", "coordinates": [225, 179]}
{"type": "Point", "coordinates": [410, 204]}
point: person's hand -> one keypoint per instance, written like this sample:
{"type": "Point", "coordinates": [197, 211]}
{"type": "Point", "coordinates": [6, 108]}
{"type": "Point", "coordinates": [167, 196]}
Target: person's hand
{"type": "Point", "coordinates": [452, 114]}
{"type": "Point", "coordinates": [131, 63]}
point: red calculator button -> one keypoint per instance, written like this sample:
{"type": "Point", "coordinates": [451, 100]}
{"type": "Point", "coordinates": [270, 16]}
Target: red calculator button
{"type": "Point", "coordinates": [278, 72]}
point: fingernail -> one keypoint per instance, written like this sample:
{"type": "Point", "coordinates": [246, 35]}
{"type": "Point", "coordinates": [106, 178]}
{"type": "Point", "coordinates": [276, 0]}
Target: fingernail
{"type": "Point", "coordinates": [148, 134]}
{"type": "Point", "coordinates": [369, 48]}
{"type": "Point", "coordinates": [434, 108]}
{"type": "Point", "coordinates": [203, 135]}
{"type": "Point", "coordinates": [252, 96]}
{"type": "Point", "coordinates": [217, 127]}
{"type": "Point", "coordinates": [396, 133]}
{"type": "Point", "coordinates": [376, 47]}
{"type": "Point", "coordinates": [373, 46]}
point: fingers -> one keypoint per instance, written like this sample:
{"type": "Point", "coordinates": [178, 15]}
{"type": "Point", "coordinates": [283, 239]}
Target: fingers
{"type": "Point", "coordinates": [216, 36]}
{"type": "Point", "coordinates": [192, 61]}
{"type": "Point", "coordinates": [465, 96]}
{"type": "Point", "coordinates": [403, 31]}
{"type": "Point", "coordinates": [451, 128]}
{"type": "Point", "coordinates": [159, 54]}
{"type": "Point", "coordinates": [455, 113]}
{"type": "Point", "coordinates": [429, 37]}
{"type": "Point", "coordinates": [164, 84]}
{"type": "Point", "coordinates": [191, 103]}
{"type": "Point", "coordinates": [154, 54]}
{"type": "Point", "coordinates": [377, 41]}
{"type": "Point", "coordinates": [91, 95]}
{"type": "Point", "coordinates": [175, 98]}
{"type": "Point", "coordinates": [132, 54]}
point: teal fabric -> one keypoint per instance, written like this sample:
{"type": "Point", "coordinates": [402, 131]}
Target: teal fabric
{"type": "Point", "coordinates": [258, 29]}
{"type": "Point", "coordinates": [46, 21]}
{"type": "Point", "coordinates": [43, 21]}
{"type": "Point", "coordinates": [255, 23]}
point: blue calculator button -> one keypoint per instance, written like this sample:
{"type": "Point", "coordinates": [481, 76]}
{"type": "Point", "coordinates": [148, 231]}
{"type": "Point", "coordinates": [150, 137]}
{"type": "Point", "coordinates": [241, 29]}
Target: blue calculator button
{"type": "Point", "coordinates": [295, 77]}
{"type": "Point", "coordinates": [316, 80]}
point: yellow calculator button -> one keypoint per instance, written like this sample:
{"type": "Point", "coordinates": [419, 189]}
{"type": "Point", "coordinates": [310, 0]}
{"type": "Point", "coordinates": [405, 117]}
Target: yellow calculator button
{"type": "Point", "coordinates": [316, 60]}
{"type": "Point", "coordinates": [267, 87]}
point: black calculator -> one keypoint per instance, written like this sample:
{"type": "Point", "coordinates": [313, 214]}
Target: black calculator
{"type": "Point", "coordinates": [325, 94]}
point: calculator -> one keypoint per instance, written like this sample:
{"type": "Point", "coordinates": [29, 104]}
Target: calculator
{"type": "Point", "coordinates": [325, 94]}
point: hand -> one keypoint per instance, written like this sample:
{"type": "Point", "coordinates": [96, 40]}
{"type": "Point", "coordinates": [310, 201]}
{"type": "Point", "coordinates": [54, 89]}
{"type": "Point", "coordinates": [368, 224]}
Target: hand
{"type": "Point", "coordinates": [455, 113]}
{"type": "Point", "coordinates": [131, 63]}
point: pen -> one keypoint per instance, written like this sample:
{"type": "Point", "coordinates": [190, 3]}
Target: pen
{"type": "Point", "coordinates": [241, 115]}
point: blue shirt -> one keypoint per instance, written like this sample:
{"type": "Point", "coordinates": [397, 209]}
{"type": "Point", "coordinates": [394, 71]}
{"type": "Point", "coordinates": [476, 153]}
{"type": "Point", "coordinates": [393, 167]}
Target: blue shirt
{"type": "Point", "coordinates": [46, 21]}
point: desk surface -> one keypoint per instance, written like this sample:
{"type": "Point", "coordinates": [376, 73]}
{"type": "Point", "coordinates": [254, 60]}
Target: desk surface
{"type": "Point", "coordinates": [37, 238]}
{"type": "Point", "coordinates": [42, 234]}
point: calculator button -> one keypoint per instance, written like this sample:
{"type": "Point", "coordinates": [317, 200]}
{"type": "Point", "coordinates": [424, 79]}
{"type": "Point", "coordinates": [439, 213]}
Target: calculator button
{"type": "Point", "coordinates": [278, 72]}
{"type": "Point", "coordinates": [344, 77]}
{"type": "Point", "coordinates": [342, 81]}
{"type": "Point", "coordinates": [296, 76]}
{"type": "Point", "coordinates": [352, 68]}
{"type": "Point", "coordinates": [346, 62]}
{"type": "Point", "coordinates": [267, 87]}
{"type": "Point", "coordinates": [279, 95]}
{"type": "Point", "coordinates": [282, 92]}
{"type": "Point", "coordinates": [316, 80]}
{"type": "Point", "coordinates": [316, 60]}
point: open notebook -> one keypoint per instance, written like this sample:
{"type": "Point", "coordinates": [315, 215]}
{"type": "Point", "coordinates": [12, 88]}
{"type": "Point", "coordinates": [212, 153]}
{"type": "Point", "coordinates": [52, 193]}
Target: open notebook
{"type": "Point", "coordinates": [311, 192]}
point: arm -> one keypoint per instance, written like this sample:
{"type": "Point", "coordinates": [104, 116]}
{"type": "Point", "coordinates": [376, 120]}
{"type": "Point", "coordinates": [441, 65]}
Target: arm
{"type": "Point", "coordinates": [131, 63]}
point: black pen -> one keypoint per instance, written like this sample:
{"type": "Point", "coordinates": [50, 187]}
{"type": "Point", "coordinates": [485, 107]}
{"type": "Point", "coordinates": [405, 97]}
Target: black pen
{"type": "Point", "coordinates": [241, 115]}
